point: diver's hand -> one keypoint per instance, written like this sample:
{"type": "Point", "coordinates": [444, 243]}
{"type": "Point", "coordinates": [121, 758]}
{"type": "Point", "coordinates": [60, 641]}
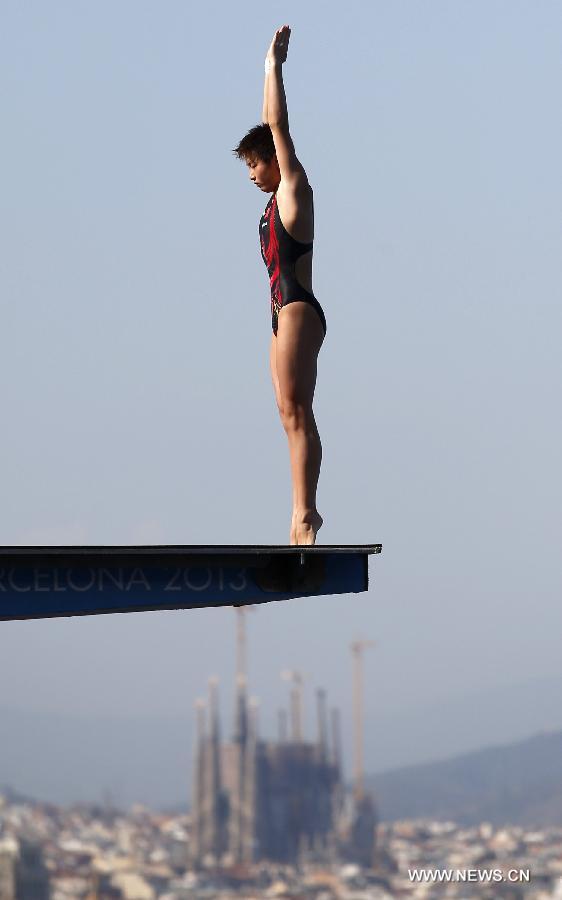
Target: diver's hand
{"type": "Point", "coordinates": [279, 46]}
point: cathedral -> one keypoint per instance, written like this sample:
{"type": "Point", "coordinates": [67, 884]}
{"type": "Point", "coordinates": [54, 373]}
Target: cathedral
{"type": "Point", "coordinates": [255, 799]}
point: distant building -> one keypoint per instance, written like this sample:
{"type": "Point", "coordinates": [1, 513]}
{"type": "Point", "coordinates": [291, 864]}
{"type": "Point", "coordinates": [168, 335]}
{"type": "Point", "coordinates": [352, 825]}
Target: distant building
{"type": "Point", "coordinates": [255, 799]}
{"type": "Point", "coordinates": [23, 875]}
{"type": "Point", "coordinates": [358, 846]}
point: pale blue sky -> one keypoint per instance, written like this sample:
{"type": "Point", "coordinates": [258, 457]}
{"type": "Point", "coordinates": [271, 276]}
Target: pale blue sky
{"type": "Point", "coordinates": [137, 403]}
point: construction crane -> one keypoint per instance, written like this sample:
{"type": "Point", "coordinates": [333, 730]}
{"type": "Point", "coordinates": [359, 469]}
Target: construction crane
{"type": "Point", "coordinates": [296, 679]}
{"type": "Point", "coordinates": [357, 649]}
{"type": "Point", "coordinates": [322, 723]}
{"type": "Point", "coordinates": [241, 659]}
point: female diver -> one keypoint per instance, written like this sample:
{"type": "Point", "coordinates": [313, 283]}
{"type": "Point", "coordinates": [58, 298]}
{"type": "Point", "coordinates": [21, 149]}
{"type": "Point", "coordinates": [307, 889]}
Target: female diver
{"type": "Point", "coordinates": [298, 322]}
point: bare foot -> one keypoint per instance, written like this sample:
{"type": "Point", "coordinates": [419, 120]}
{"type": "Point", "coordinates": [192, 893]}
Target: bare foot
{"type": "Point", "coordinates": [305, 527]}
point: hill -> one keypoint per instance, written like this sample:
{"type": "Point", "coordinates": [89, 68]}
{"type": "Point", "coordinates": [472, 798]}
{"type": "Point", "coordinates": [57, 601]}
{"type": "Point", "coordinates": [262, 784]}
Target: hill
{"type": "Point", "coordinates": [519, 783]}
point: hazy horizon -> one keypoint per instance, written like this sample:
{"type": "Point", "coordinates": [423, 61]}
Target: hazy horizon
{"type": "Point", "coordinates": [123, 755]}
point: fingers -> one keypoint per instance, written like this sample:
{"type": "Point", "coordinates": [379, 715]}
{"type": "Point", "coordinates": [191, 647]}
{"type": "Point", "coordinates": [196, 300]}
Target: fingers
{"type": "Point", "coordinates": [281, 40]}
{"type": "Point", "coordinates": [280, 43]}
{"type": "Point", "coordinates": [282, 35]}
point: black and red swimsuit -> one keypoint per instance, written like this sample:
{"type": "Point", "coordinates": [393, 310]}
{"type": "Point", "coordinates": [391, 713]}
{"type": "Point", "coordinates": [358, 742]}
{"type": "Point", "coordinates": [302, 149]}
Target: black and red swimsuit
{"type": "Point", "coordinates": [280, 252]}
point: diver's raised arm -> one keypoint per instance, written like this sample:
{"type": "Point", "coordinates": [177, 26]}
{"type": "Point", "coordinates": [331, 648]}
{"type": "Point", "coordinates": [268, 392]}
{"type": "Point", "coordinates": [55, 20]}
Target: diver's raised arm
{"type": "Point", "coordinates": [292, 172]}
{"type": "Point", "coordinates": [275, 102]}
{"type": "Point", "coordinates": [265, 91]}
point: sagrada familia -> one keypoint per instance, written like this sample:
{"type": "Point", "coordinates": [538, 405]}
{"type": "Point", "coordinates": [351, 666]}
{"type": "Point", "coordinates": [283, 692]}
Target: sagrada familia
{"type": "Point", "coordinates": [284, 800]}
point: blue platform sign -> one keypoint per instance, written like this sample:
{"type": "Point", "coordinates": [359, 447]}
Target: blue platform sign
{"type": "Point", "coordinates": [68, 581]}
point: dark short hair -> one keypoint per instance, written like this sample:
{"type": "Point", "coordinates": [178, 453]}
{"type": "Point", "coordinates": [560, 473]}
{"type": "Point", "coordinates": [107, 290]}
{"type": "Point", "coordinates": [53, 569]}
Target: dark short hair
{"type": "Point", "coordinates": [258, 141]}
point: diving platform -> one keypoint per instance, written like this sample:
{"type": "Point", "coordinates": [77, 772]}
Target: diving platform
{"type": "Point", "coordinates": [50, 581]}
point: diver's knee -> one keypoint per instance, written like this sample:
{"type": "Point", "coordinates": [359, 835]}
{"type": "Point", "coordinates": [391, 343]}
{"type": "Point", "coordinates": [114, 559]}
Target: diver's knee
{"type": "Point", "coordinates": [295, 415]}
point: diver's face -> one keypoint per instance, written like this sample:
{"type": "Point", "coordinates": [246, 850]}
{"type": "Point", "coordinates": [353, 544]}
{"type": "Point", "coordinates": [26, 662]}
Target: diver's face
{"type": "Point", "coordinates": [265, 175]}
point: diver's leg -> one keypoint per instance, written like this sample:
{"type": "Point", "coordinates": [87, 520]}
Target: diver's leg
{"type": "Point", "coordinates": [275, 380]}
{"type": "Point", "coordinates": [299, 337]}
